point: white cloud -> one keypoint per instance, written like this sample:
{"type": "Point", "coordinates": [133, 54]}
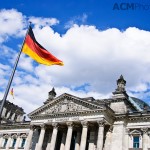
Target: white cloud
{"type": "Point", "coordinates": [26, 63]}
{"type": "Point", "coordinates": [81, 19]}
{"type": "Point", "coordinates": [12, 22]}
{"type": "Point", "coordinates": [98, 57]}
{"type": "Point", "coordinates": [43, 21]}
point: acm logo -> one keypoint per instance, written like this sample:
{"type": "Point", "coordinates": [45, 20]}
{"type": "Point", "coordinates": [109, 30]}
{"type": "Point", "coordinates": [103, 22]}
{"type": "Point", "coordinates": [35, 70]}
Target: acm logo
{"type": "Point", "coordinates": [124, 6]}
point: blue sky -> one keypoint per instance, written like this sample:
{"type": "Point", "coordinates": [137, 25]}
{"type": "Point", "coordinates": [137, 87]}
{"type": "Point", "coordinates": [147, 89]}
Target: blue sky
{"type": "Point", "coordinates": [100, 13]}
{"type": "Point", "coordinates": [96, 43]}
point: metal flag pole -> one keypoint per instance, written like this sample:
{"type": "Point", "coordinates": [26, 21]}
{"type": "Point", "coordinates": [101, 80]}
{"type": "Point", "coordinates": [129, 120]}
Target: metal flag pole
{"type": "Point", "coordinates": [11, 77]}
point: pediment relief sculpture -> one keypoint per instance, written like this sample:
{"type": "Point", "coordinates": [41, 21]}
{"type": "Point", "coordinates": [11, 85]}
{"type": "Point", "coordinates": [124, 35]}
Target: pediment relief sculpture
{"type": "Point", "coordinates": [64, 107]}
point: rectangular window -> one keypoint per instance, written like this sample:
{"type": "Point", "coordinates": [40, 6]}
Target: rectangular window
{"type": "Point", "coordinates": [136, 142]}
{"type": "Point", "coordinates": [23, 142]}
{"type": "Point", "coordinates": [14, 143]}
{"type": "Point", "coordinates": [5, 143]}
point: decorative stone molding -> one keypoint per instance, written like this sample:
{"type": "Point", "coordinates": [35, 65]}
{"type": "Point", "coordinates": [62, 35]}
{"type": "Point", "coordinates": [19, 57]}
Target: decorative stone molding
{"type": "Point", "coordinates": [65, 106]}
{"type": "Point", "coordinates": [6, 136]}
{"type": "Point", "coordinates": [144, 130]}
{"type": "Point", "coordinates": [69, 124]}
{"type": "Point", "coordinates": [14, 136]}
{"type": "Point", "coordinates": [110, 129]}
{"type": "Point", "coordinates": [84, 124]}
{"type": "Point", "coordinates": [101, 122]}
{"type": "Point", "coordinates": [32, 127]}
{"type": "Point", "coordinates": [55, 125]}
{"type": "Point", "coordinates": [43, 126]}
{"type": "Point", "coordinates": [24, 135]}
{"type": "Point", "coordinates": [135, 133]}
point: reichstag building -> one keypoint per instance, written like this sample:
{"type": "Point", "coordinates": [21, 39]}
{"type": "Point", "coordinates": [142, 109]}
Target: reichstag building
{"type": "Point", "coordinates": [68, 122]}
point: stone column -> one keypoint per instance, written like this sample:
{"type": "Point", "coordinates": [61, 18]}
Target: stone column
{"type": "Point", "coordinates": [17, 142]}
{"type": "Point", "coordinates": [100, 135]}
{"type": "Point", "coordinates": [8, 114]}
{"type": "Point", "coordinates": [41, 138]}
{"type": "Point", "coordinates": [29, 138]}
{"type": "Point", "coordinates": [18, 118]}
{"type": "Point", "coordinates": [91, 141]}
{"type": "Point", "coordinates": [13, 116]}
{"type": "Point", "coordinates": [69, 135]}
{"type": "Point", "coordinates": [108, 139]}
{"type": "Point", "coordinates": [145, 139]}
{"type": "Point", "coordinates": [84, 135]}
{"type": "Point", "coordinates": [126, 139]}
{"type": "Point", "coordinates": [49, 141]}
{"type": "Point", "coordinates": [54, 136]}
{"type": "Point", "coordinates": [8, 143]}
{"type": "Point", "coordinates": [1, 140]}
{"type": "Point", "coordinates": [77, 143]}
{"type": "Point", "coordinates": [148, 145]}
{"type": "Point", "coordinates": [62, 146]}
{"type": "Point", "coordinates": [4, 112]}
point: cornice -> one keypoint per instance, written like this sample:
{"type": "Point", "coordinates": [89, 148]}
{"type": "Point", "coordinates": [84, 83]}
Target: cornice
{"type": "Point", "coordinates": [136, 116]}
{"type": "Point", "coordinates": [14, 126]}
{"type": "Point", "coordinates": [68, 114]}
{"type": "Point", "coordinates": [114, 100]}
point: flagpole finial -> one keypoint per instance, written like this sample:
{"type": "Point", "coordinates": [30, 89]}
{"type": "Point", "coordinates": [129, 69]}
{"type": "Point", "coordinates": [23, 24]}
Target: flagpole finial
{"type": "Point", "coordinates": [30, 23]}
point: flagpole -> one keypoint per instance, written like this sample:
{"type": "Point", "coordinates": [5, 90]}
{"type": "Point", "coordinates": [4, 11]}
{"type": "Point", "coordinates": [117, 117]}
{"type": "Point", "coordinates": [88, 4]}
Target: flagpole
{"type": "Point", "coordinates": [11, 77]}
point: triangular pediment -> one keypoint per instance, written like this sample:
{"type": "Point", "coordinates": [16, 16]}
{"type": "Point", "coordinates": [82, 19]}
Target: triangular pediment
{"type": "Point", "coordinates": [65, 104]}
{"type": "Point", "coordinates": [135, 132]}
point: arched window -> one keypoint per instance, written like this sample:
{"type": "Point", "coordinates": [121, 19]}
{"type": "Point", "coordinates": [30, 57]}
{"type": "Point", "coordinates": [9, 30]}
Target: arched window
{"type": "Point", "coordinates": [14, 140]}
{"type": "Point", "coordinates": [23, 140]}
{"type": "Point", "coordinates": [5, 140]}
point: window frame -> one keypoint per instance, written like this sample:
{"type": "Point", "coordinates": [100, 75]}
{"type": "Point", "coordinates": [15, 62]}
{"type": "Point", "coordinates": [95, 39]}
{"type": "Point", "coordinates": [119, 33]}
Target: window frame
{"type": "Point", "coordinates": [136, 144]}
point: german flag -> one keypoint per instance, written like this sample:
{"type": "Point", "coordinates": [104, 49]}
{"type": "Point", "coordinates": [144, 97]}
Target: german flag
{"type": "Point", "coordinates": [12, 93]}
{"type": "Point", "coordinates": [33, 49]}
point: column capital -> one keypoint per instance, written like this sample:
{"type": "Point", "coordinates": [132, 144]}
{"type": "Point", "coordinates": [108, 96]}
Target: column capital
{"type": "Point", "coordinates": [32, 126]}
{"type": "Point", "coordinates": [101, 123]}
{"type": "Point", "coordinates": [144, 130]}
{"type": "Point", "coordinates": [6, 136]}
{"type": "Point", "coordinates": [55, 125]}
{"type": "Point", "coordinates": [84, 124]}
{"type": "Point", "coordinates": [15, 135]}
{"type": "Point", "coordinates": [69, 124]}
{"type": "Point", "coordinates": [43, 126]}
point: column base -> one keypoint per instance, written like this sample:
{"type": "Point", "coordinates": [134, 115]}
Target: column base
{"type": "Point", "coordinates": [38, 147]}
{"type": "Point", "coordinates": [48, 146]}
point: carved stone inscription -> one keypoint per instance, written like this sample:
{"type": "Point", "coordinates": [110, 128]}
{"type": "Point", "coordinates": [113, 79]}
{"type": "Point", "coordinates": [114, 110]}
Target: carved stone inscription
{"type": "Point", "coordinates": [66, 106]}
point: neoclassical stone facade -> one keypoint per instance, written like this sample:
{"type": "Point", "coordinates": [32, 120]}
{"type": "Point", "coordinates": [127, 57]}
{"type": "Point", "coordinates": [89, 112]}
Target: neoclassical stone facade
{"type": "Point", "coordinates": [68, 122]}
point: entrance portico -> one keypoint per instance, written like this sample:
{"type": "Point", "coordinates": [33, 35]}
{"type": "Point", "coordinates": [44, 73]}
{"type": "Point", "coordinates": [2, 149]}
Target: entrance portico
{"type": "Point", "coordinates": [71, 135]}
